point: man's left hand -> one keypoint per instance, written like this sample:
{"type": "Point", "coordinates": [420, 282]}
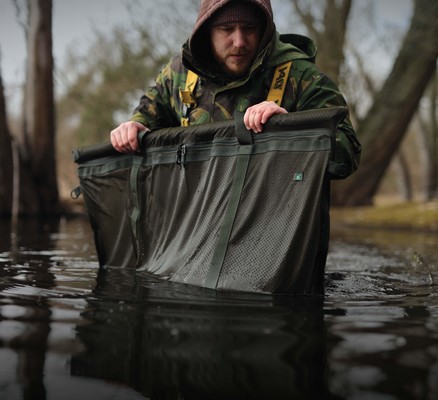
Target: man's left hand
{"type": "Point", "coordinates": [256, 116]}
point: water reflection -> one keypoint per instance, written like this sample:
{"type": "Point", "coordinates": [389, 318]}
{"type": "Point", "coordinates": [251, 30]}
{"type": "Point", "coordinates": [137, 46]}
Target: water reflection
{"type": "Point", "coordinates": [382, 307]}
{"type": "Point", "coordinates": [170, 341]}
{"type": "Point", "coordinates": [384, 350]}
{"type": "Point", "coordinates": [28, 323]}
{"type": "Point", "coordinates": [68, 330]}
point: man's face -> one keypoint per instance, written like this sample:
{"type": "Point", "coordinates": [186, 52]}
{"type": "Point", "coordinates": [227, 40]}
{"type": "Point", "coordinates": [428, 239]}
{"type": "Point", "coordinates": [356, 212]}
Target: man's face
{"type": "Point", "coordinates": [235, 45]}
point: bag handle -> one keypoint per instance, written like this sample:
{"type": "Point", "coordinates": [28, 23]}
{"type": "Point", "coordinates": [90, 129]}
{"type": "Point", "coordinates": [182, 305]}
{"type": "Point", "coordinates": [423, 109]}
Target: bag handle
{"type": "Point", "coordinates": [244, 136]}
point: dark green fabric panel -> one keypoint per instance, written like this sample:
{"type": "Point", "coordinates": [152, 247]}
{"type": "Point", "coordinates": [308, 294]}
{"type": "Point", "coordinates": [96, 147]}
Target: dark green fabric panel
{"type": "Point", "coordinates": [215, 213]}
{"type": "Point", "coordinates": [314, 140]}
{"type": "Point", "coordinates": [227, 222]}
{"type": "Point", "coordinates": [108, 201]}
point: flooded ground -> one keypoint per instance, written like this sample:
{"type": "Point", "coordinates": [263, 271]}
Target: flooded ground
{"type": "Point", "coordinates": [71, 331]}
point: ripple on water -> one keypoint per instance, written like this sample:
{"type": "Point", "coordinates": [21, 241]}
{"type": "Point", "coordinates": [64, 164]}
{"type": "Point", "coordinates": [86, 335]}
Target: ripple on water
{"type": "Point", "coordinates": [377, 322]}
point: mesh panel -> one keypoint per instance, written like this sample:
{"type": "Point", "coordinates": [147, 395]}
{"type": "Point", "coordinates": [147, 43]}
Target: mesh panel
{"type": "Point", "coordinates": [178, 239]}
{"type": "Point", "coordinates": [277, 226]}
{"type": "Point", "coordinates": [236, 217]}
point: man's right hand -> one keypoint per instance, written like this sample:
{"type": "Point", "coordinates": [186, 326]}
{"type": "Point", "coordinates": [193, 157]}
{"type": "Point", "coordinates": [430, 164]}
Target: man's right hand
{"type": "Point", "coordinates": [124, 137]}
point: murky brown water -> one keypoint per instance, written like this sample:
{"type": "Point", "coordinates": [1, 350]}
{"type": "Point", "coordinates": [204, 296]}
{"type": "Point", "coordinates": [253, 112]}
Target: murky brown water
{"type": "Point", "coordinates": [71, 331]}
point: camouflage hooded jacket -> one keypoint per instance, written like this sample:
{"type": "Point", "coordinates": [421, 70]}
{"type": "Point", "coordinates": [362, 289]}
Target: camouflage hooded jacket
{"type": "Point", "coordinates": [218, 96]}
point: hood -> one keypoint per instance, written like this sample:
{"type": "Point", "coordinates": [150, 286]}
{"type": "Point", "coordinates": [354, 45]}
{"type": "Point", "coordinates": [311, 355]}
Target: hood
{"type": "Point", "coordinates": [197, 51]}
{"type": "Point", "coordinates": [290, 47]}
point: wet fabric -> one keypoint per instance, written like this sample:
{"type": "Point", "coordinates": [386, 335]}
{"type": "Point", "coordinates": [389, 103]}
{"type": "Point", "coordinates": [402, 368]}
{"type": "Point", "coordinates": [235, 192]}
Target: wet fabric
{"type": "Point", "coordinates": [216, 206]}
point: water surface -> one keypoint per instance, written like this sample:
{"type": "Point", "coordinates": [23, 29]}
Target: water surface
{"type": "Point", "coordinates": [69, 330]}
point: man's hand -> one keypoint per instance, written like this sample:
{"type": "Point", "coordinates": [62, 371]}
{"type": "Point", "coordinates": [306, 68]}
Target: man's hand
{"type": "Point", "coordinates": [256, 116]}
{"type": "Point", "coordinates": [124, 137]}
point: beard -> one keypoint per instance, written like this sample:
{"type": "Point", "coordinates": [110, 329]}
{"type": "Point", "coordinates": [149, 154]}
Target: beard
{"type": "Point", "coordinates": [235, 63]}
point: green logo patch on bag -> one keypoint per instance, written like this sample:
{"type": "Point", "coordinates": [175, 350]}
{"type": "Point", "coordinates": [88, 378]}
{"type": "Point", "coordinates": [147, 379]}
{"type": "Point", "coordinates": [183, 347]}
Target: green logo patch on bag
{"type": "Point", "coordinates": [298, 176]}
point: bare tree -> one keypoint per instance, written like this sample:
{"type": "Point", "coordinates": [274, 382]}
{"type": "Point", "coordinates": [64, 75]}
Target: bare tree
{"type": "Point", "coordinates": [39, 190]}
{"type": "Point", "coordinates": [428, 142]}
{"type": "Point", "coordinates": [384, 127]}
{"type": "Point", "coordinates": [5, 158]}
{"type": "Point", "coordinates": [330, 36]}
{"type": "Point", "coordinates": [404, 177]}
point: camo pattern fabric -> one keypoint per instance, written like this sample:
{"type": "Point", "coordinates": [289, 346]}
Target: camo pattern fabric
{"type": "Point", "coordinates": [217, 96]}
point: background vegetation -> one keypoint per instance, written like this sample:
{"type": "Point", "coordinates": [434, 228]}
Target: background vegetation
{"type": "Point", "coordinates": [387, 74]}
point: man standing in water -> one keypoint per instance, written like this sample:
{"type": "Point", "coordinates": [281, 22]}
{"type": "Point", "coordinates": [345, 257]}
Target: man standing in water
{"type": "Point", "coordinates": [232, 60]}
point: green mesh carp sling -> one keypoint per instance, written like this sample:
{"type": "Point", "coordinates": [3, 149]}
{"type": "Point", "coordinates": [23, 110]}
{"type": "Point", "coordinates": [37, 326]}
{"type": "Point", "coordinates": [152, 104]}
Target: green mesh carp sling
{"type": "Point", "coordinates": [217, 206]}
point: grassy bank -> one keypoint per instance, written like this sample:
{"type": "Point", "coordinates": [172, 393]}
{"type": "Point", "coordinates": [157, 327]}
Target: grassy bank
{"type": "Point", "coordinates": [414, 216]}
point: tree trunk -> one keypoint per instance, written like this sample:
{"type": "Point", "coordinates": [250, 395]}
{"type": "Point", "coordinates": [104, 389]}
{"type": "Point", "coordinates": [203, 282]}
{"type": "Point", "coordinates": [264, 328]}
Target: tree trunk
{"type": "Point", "coordinates": [39, 187]}
{"type": "Point", "coordinates": [432, 174]}
{"type": "Point", "coordinates": [427, 135]}
{"type": "Point", "coordinates": [5, 158]}
{"type": "Point", "coordinates": [382, 131]}
{"type": "Point", "coordinates": [331, 52]}
{"type": "Point", "coordinates": [404, 178]}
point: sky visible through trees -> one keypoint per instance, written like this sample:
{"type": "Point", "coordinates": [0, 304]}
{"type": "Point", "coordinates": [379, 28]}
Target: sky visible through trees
{"type": "Point", "coordinates": [74, 23]}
